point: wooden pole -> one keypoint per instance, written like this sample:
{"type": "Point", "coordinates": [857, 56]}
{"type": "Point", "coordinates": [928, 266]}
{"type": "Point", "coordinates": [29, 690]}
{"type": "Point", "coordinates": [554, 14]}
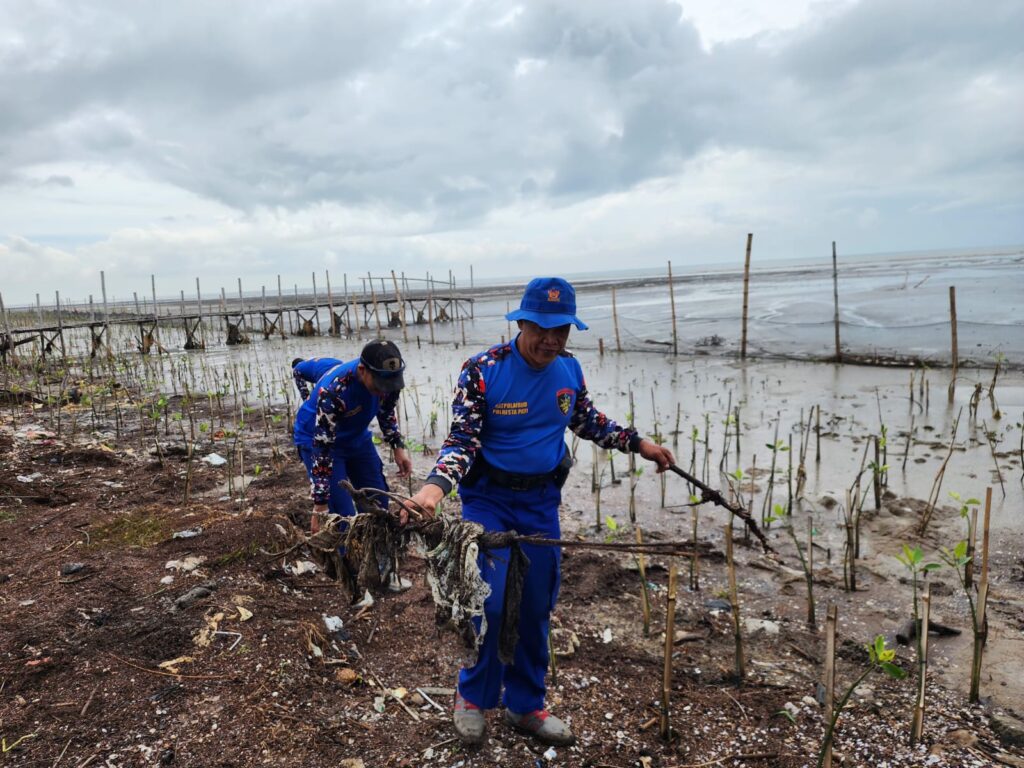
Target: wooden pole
{"type": "Point", "coordinates": [672, 299]}
{"type": "Point", "coordinates": [373, 296]}
{"type": "Point", "coordinates": [60, 328]}
{"type": "Point", "coordinates": [812, 621]}
{"type": "Point", "coordinates": [156, 312]}
{"type": "Point", "coordinates": [615, 318]}
{"type": "Point", "coordinates": [316, 305]}
{"type": "Point", "coordinates": [333, 326]}
{"type": "Point", "coordinates": [746, 294]}
{"type": "Point", "coordinates": [695, 560]}
{"type": "Point", "coordinates": [835, 301]}
{"type": "Point", "coordinates": [430, 306]}
{"type": "Point", "coordinates": [670, 632]}
{"type": "Point", "coordinates": [952, 326]}
{"type": "Point", "coordinates": [645, 598]}
{"type": "Point", "coordinates": [830, 673]}
{"type": "Point", "coordinates": [741, 667]}
{"type": "Point", "coordinates": [401, 310]}
{"type": "Point", "coordinates": [917, 725]}
{"type": "Point", "coordinates": [106, 318]}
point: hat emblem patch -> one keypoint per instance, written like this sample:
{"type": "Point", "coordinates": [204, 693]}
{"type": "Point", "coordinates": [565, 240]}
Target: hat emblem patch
{"type": "Point", "coordinates": [553, 294]}
{"type": "Point", "coordinates": [391, 364]}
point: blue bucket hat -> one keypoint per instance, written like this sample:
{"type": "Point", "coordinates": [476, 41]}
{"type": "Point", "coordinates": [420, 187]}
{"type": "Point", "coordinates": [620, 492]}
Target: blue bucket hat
{"type": "Point", "coordinates": [549, 302]}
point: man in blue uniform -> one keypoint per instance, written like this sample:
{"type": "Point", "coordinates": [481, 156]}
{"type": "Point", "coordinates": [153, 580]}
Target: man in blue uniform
{"type": "Point", "coordinates": [307, 372]}
{"type": "Point", "coordinates": [331, 431]}
{"type": "Point", "coordinates": [511, 407]}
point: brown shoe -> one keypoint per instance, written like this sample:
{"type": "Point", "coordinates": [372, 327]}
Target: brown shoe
{"type": "Point", "coordinates": [469, 721]}
{"type": "Point", "coordinates": [543, 726]}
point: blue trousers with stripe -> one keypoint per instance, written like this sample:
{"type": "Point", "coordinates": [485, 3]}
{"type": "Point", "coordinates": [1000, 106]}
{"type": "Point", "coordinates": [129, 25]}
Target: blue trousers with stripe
{"type": "Point", "coordinates": [526, 512]}
{"type": "Point", "coordinates": [360, 464]}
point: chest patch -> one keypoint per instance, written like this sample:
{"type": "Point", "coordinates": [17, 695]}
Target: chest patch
{"type": "Point", "coordinates": [564, 400]}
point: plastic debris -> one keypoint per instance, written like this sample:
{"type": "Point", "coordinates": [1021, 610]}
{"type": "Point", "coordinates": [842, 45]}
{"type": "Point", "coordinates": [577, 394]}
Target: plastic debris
{"type": "Point", "coordinates": [190, 563]}
{"type": "Point", "coordinates": [214, 460]}
{"type": "Point", "coordinates": [29, 478]}
{"type": "Point", "coordinates": [333, 623]}
{"type": "Point", "coordinates": [188, 533]}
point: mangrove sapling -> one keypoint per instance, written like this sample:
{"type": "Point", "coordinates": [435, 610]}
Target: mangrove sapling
{"type": "Point", "coordinates": [958, 559]}
{"type": "Point", "coordinates": [737, 627]}
{"type": "Point", "coordinates": [880, 659]}
{"type": "Point", "coordinates": [933, 496]}
{"type": "Point", "coordinates": [785, 516]}
{"type": "Point", "coordinates": [775, 446]}
{"type": "Point", "coordinates": [913, 561]}
{"type": "Point", "coordinates": [990, 437]}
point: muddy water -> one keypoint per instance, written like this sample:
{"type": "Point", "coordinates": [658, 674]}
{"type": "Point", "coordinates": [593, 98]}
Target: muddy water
{"type": "Point", "coordinates": [854, 402]}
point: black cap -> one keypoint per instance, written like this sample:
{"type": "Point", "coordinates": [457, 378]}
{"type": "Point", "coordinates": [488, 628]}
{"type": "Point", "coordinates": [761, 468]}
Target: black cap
{"type": "Point", "coordinates": [384, 362]}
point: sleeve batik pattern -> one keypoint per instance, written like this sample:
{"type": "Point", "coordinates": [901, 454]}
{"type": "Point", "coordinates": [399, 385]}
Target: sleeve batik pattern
{"type": "Point", "coordinates": [329, 404]}
{"type": "Point", "coordinates": [387, 419]}
{"type": "Point", "coordinates": [301, 384]}
{"type": "Point", "coordinates": [468, 408]}
{"type": "Point", "coordinates": [590, 424]}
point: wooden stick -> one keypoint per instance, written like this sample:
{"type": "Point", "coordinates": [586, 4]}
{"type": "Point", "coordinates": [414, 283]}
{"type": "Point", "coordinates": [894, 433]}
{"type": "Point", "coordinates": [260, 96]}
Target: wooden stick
{"type": "Point", "coordinates": [672, 299]}
{"type": "Point", "coordinates": [88, 701]}
{"type": "Point", "coordinates": [670, 631]}
{"type": "Point", "coordinates": [615, 319]}
{"type": "Point", "coordinates": [984, 535]}
{"type": "Point", "coordinates": [811, 618]}
{"type": "Point", "coordinates": [332, 326]}
{"type": "Point", "coordinates": [746, 292]}
{"type": "Point", "coordinates": [645, 598]}
{"type": "Point", "coordinates": [835, 301]}
{"type": "Point", "coordinates": [917, 725]}
{"type": "Point", "coordinates": [952, 326]}
{"type": "Point", "coordinates": [695, 560]}
{"type": "Point", "coordinates": [373, 297]}
{"type": "Point", "coordinates": [972, 537]}
{"type": "Point", "coordinates": [830, 672]}
{"type": "Point", "coordinates": [741, 667]}
{"type": "Point", "coordinates": [401, 309]}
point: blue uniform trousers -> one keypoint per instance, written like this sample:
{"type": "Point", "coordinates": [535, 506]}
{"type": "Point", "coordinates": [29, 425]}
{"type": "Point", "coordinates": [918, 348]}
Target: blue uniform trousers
{"type": "Point", "coordinates": [360, 464]}
{"type": "Point", "coordinates": [527, 512]}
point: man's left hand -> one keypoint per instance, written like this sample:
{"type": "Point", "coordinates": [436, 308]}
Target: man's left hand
{"type": "Point", "coordinates": [403, 461]}
{"type": "Point", "coordinates": [659, 454]}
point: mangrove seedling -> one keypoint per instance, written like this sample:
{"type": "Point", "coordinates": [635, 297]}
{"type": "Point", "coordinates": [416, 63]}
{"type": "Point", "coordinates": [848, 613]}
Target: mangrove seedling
{"type": "Point", "coordinates": [913, 561]}
{"type": "Point", "coordinates": [958, 560]}
{"type": "Point", "coordinates": [880, 659]}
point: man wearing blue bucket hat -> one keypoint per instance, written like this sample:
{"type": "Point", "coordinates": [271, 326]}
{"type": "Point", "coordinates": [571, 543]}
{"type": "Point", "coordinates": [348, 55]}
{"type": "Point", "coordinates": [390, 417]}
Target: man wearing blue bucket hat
{"type": "Point", "coordinates": [506, 451]}
{"type": "Point", "coordinates": [331, 431]}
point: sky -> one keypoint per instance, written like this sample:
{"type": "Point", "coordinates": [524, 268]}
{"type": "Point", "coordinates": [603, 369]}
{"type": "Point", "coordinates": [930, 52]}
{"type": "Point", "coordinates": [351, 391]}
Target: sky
{"type": "Point", "coordinates": [236, 139]}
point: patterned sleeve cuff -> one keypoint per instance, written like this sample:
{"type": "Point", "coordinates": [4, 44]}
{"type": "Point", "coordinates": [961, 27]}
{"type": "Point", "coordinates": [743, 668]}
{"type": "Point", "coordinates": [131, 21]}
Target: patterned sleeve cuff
{"type": "Point", "coordinates": [441, 482]}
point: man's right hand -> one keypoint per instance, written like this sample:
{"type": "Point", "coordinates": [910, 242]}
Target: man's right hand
{"type": "Point", "coordinates": [319, 511]}
{"type": "Point", "coordinates": [426, 499]}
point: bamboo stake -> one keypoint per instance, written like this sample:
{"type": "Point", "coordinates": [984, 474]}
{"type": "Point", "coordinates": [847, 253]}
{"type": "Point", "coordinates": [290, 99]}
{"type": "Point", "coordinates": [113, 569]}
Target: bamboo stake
{"type": "Point", "coordinates": [917, 726]}
{"type": "Point", "coordinates": [835, 316]}
{"type": "Point", "coordinates": [830, 673]}
{"type": "Point", "coordinates": [645, 598]}
{"type": "Point", "coordinates": [972, 536]}
{"type": "Point", "coordinates": [615, 319]}
{"type": "Point", "coordinates": [401, 308]}
{"type": "Point", "coordinates": [670, 632]}
{"type": "Point", "coordinates": [984, 535]}
{"type": "Point", "coordinates": [812, 621]}
{"type": "Point", "coordinates": [333, 325]}
{"type": "Point", "coordinates": [952, 326]}
{"type": "Point", "coordinates": [672, 299]}
{"type": "Point", "coordinates": [741, 667]}
{"type": "Point", "coordinates": [746, 292]}
{"type": "Point", "coordinates": [373, 297]}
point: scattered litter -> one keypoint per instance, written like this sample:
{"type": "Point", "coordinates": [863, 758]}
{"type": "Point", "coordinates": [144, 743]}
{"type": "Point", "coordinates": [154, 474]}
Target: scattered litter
{"type": "Point", "coordinates": [761, 625]}
{"type": "Point", "coordinates": [70, 569]}
{"type": "Point", "coordinates": [29, 478]}
{"type": "Point", "coordinates": [398, 583]}
{"type": "Point", "coordinates": [550, 754]}
{"type": "Point", "coordinates": [26, 603]}
{"type": "Point", "coordinates": [172, 665]}
{"type": "Point", "coordinates": [112, 484]}
{"type": "Point", "coordinates": [236, 635]}
{"type": "Point", "coordinates": [205, 635]}
{"type": "Point", "coordinates": [333, 623]}
{"type": "Point", "coordinates": [214, 460]}
{"type": "Point", "coordinates": [366, 602]}
{"type": "Point", "coordinates": [34, 432]}
{"type": "Point", "coordinates": [193, 596]}
{"type": "Point", "coordinates": [606, 636]}
{"type": "Point", "coordinates": [187, 565]}
{"type": "Point", "coordinates": [244, 614]}
{"type": "Point", "coordinates": [188, 533]}
{"type": "Point", "coordinates": [301, 567]}
{"type": "Point", "coordinates": [378, 703]}
{"type": "Point", "coordinates": [167, 579]}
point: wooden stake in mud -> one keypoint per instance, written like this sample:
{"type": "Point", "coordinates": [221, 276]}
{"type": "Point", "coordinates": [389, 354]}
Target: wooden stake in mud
{"type": "Point", "coordinates": [746, 293]}
{"type": "Point", "coordinates": [980, 613]}
{"type": "Point", "coordinates": [401, 308]}
{"type": "Point", "coordinates": [373, 297]}
{"type": "Point", "coordinates": [917, 725]}
{"type": "Point", "coordinates": [741, 666]}
{"type": "Point", "coordinates": [694, 561]}
{"type": "Point", "coordinates": [952, 326]}
{"type": "Point", "coordinates": [672, 299]}
{"type": "Point", "coordinates": [830, 674]}
{"type": "Point", "coordinates": [817, 434]}
{"type": "Point", "coordinates": [835, 301]}
{"type": "Point", "coordinates": [156, 312]}
{"type": "Point", "coordinates": [670, 632]}
{"type": "Point", "coordinates": [615, 320]}
{"type": "Point", "coordinates": [645, 598]}
{"type": "Point", "coordinates": [333, 325]}
{"type": "Point", "coordinates": [106, 317]}
{"type": "Point", "coordinates": [812, 621]}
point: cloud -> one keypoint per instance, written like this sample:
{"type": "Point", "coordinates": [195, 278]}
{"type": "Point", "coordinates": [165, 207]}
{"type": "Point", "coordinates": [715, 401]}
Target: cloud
{"type": "Point", "coordinates": [277, 133]}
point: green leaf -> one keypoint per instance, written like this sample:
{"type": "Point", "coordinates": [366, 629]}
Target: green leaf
{"type": "Point", "coordinates": [610, 522]}
{"type": "Point", "coordinates": [960, 550]}
{"type": "Point", "coordinates": [892, 670]}
{"type": "Point", "coordinates": [786, 714]}
{"type": "Point", "coordinates": [928, 567]}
